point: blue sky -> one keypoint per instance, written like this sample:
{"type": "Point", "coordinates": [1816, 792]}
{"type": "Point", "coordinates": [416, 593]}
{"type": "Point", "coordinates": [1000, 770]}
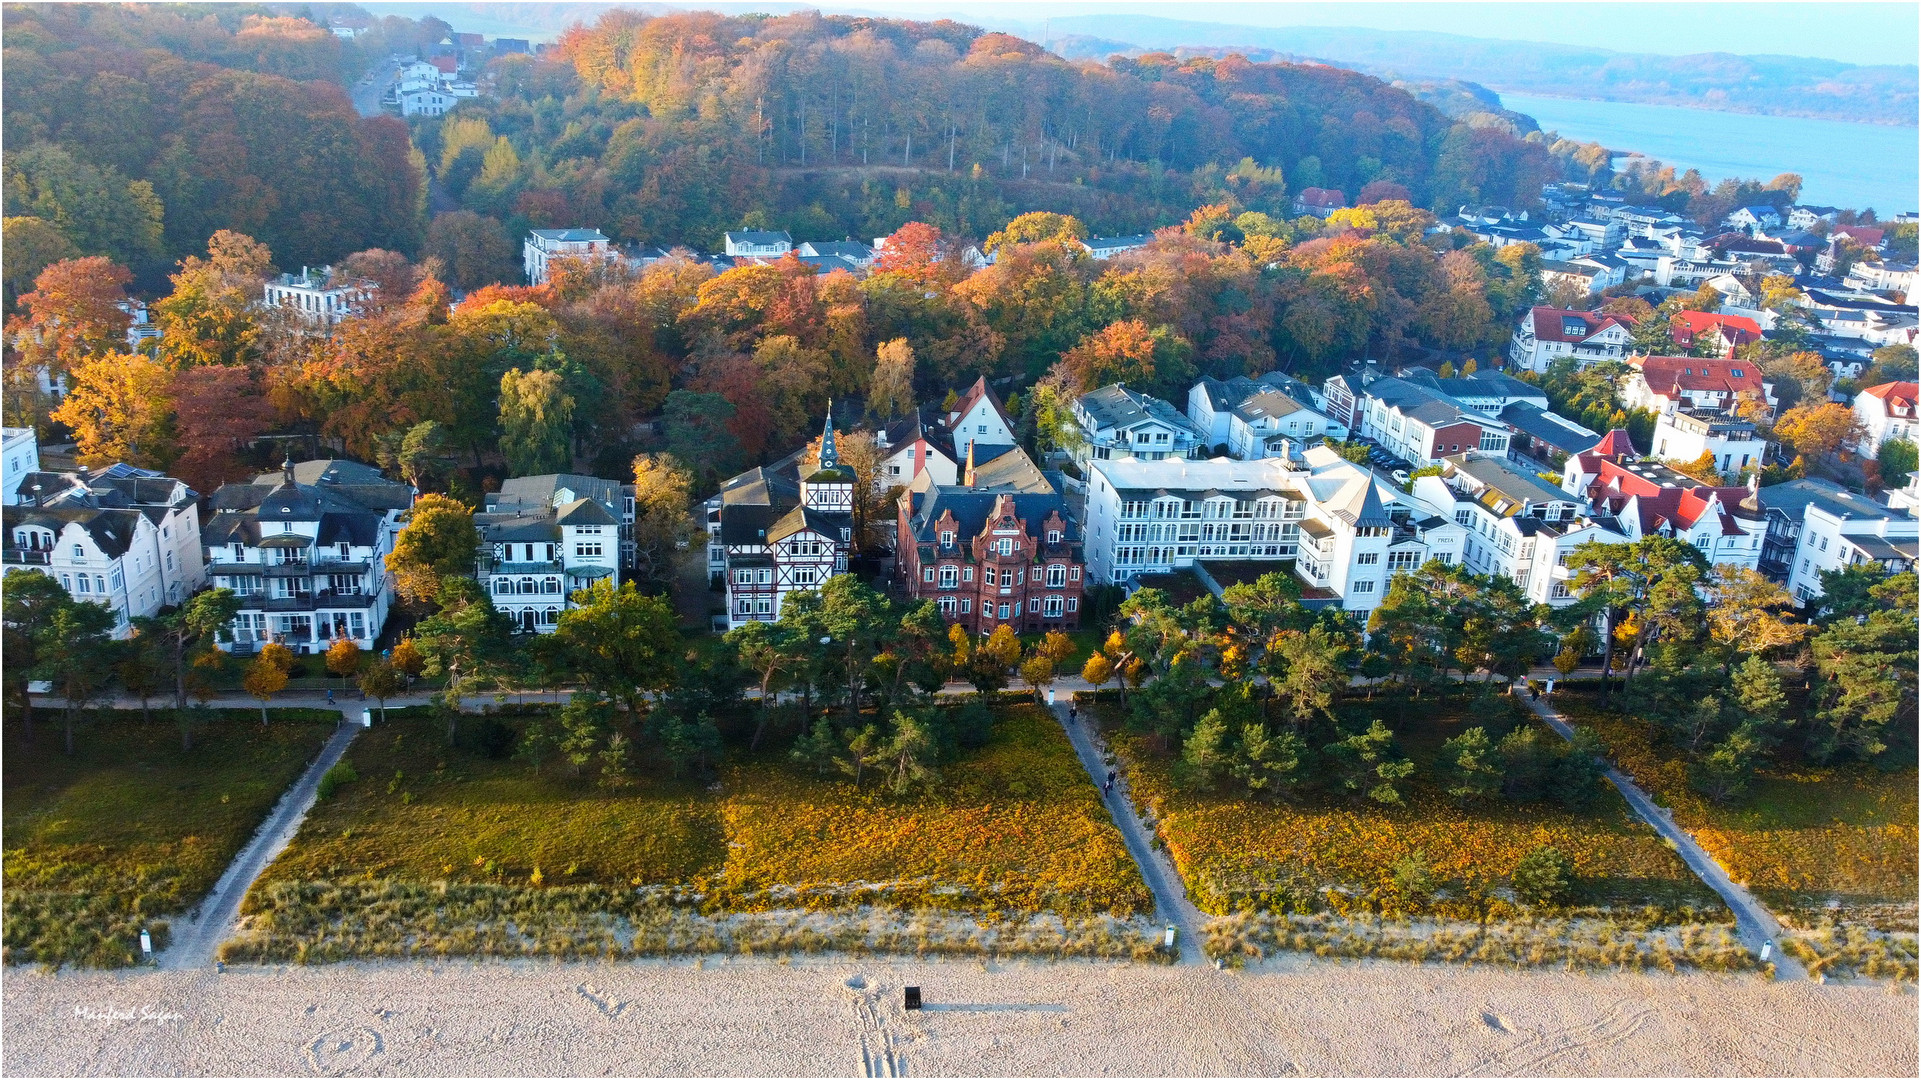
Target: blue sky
{"type": "Point", "coordinates": [1855, 33]}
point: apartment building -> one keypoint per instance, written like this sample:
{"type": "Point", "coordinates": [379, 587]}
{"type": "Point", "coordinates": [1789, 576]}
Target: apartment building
{"type": "Point", "coordinates": [1116, 422]}
{"type": "Point", "coordinates": [992, 557]}
{"type": "Point", "coordinates": [1515, 526]}
{"type": "Point", "coordinates": [773, 531]}
{"type": "Point", "coordinates": [542, 246]}
{"type": "Point", "coordinates": [543, 538]}
{"type": "Point", "coordinates": [1646, 498]}
{"type": "Point", "coordinates": [306, 550]}
{"type": "Point", "coordinates": [1814, 525]}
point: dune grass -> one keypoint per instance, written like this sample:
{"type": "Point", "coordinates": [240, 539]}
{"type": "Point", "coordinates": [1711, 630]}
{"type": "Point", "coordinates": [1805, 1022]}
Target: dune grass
{"type": "Point", "coordinates": [438, 850]}
{"type": "Point", "coordinates": [131, 828]}
{"type": "Point", "coordinates": [1322, 854]}
{"type": "Point", "coordinates": [1804, 835]}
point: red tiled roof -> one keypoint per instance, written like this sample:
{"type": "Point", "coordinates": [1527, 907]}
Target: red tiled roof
{"type": "Point", "coordinates": [974, 393]}
{"type": "Point", "coordinates": [1865, 234]}
{"type": "Point", "coordinates": [1614, 444]}
{"type": "Point", "coordinates": [1737, 329]}
{"type": "Point", "coordinates": [1548, 322]}
{"type": "Point", "coordinates": [1897, 398]}
{"type": "Point", "coordinates": [445, 63]}
{"type": "Point", "coordinates": [1325, 198]}
{"type": "Point", "coordinates": [1682, 507]}
{"type": "Point", "coordinates": [1667, 374]}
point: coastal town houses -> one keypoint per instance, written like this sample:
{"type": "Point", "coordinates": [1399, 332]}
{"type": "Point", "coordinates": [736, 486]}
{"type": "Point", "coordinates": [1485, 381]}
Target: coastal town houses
{"type": "Point", "coordinates": [1646, 498]}
{"type": "Point", "coordinates": [1515, 526]}
{"type": "Point", "coordinates": [543, 246]}
{"type": "Point", "coordinates": [1319, 202]}
{"type": "Point", "coordinates": [1886, 411]}
{"type": "Point", "coordinates": [306, 550]}
{"type": "Point", "coordinates": [1421, 425]}
{"type": "Point", "coordinates": [1211, 405]}
{"type": "Point", "coordinates": [1666, 383]}
{"type": "Point", "coordinates": [122, 537]}
{"type": "Point", "coordinates": [1345, 528]}
{"type": "Point", "coordinates": [991, 556]}
{"type": "Point", "coordinates": [319, 296]}
{"type": "Point", "coordinates": [1101, 248]}
{"type": "Point", "coordinates": [543, 538]}
{"type": "Point", "coordinates": [912, 446]}
{"type": "Point", "coordinates": [1753, 218]}
{"type": "Point", "coordinates": [758, 244]}
{"type": "Point", "coordinates": [978, 416]}
{"type": "Point", "coordinates": [1685, 436]}
{"type": "Point", "coordinates": [1709, 333]}
{"type": "Point", "coordinates": [1815, 525]}
{"type": "Point", "coordinates": [781, 528]}
{"type": "Point", "coordinates": [1116, 422]}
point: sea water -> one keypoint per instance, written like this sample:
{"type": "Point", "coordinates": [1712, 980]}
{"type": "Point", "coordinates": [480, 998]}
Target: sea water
{"type": "Point", "coordinates": [1841, 164]}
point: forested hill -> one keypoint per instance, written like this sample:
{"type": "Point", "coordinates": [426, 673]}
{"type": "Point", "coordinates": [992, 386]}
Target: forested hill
{"type": "Point", "coordinates": [136, 131]}
{"type": "Point", "coordinates": [139, 130]}
{"type": "Point", "coordinates": [683, 125]}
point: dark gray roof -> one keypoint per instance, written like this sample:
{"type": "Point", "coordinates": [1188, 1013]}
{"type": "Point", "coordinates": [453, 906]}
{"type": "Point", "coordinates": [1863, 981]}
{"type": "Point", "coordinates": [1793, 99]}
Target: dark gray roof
{"type": "Point", "coordinates": [1563, 435]}
{"type": "Point", "coordinates": [347, 499]}
{"type": "Point", "coordinates": [971, 509]}
{"type": "Point", "coordinates": [112, 531]}
{"type": "Point", "coordinates": [758, 237]}
{"type": "Point", "coordinates": [1118, 407]}
{"type": "Point", "coordinates": [547, 490]}
{"type": "Point", "coordinates": [1792, 499]}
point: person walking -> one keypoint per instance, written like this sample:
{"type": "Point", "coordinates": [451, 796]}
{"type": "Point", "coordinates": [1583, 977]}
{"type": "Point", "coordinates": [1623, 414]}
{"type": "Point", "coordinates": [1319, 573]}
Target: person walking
{"type": "Point", "coordinates": [330, 695]}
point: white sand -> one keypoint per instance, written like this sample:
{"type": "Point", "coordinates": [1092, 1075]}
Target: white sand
{"type": "Point", "coordinates": [760, 1017]}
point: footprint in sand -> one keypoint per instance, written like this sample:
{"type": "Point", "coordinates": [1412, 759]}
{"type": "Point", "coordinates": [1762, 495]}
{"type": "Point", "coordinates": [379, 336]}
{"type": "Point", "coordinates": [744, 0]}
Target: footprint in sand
{"type": "Point", "coordinates": [344, 1050]}
{"type": "Point", "coordinates": [609, 1005]}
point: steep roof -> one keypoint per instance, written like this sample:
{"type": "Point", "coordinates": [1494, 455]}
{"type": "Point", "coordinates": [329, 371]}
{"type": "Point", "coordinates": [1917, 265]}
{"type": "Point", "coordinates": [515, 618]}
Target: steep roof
{"type": "Point", "coordinates": [112, 531]}
{"type": "Point", "coordinates": [972, 509]}
{"type": "Point", "coordinates": [1685, 326]}
{"type": "Point", "coordinates": [973, 397]}
{"type": "Point", "coordinates": [1118, 407]}
{"type": "Point", "coordinates": [1555, 324]}
{"type": "Point", "coordinates": [1897, 398]}
{"type": "Point", "coordinates": [1322, 198]}
{"type": "Point", "coordinates": [1666, 375]}
{"type": "Point", "coordinates": [1558, 432]}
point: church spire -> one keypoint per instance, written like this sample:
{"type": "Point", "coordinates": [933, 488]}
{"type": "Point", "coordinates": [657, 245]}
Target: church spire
{"type": "Point", "coordinates": [829, 458]}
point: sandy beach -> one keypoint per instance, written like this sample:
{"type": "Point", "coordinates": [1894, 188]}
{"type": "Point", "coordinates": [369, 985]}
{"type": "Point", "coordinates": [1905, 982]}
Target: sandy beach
{"type": "Point", "coordinates": [842, 1016]}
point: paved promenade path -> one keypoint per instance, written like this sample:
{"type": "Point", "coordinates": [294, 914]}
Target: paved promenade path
{"type": "Point", "coordinates": [1755, 923]}
{"type": "Point", "coordinates": [1170, 894]}
{"type": "Point", "coordinates": [196, 940]}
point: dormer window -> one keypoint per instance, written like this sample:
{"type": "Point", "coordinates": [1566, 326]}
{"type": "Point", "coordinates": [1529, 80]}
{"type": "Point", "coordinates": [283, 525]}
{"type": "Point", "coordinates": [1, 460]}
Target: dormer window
{"type": "Point", "coordinates": [1053, 536]}
{"type": "Point", "coordinates": [1736, 372]}
{"type": "Point", "coordinates": [947, 539]}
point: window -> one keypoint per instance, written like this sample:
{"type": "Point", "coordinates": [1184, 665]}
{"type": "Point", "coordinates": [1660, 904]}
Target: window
{"type": "Point", "coordinates": [551, 585]}
{"type": "Point", "coordinates": [763, 607]}
{"type": "Point", "coordinates": [967, 573]}
{"type": "Point", "coordinates": [1051, 607]}
{"type": "Point", "coordinates": [1558, 591]}
{"type": "Point", "coordinates": [1403, 560]}
{"type": "Point", "coordinates": [79, 552]}
{"type": "Point", "coordinates": [763, 577]}
{"type": "Point", "coordinates": [1034, 606]}
{"type": "Point", "coordinates": [981, 430]}
{"type": "Point", "coordinates": [1736, 372]}
{"type": "Point", "coordinates": [1006, 545]}
{"type": "Point", "coordinates": [1056, 576]}
{"type": "Point", "coordinates": [967, 605]}
{"type": "Point", "coordinates": [743, 607]}
{"type": "Point", "coordinates": [743, 577]}
{"type": "Point", "coordinates": [85, 585]}
{"type": "Point", "coordinates": [1368, 558]}
{"type": "Point", "coordinates": [948, 579]}
{"type": "Point", "coordinates": [1363, 587]}
{"type": "Point", "coordinates": [1073, 573]}
{"type": "Point", "coordinates": [806, 575]}
{"type": "Point", "coordinates": [170, 559]}
{"type": "Point", "coordinates": [1464, 517]}
{"type": "Point", "coordinates": [947, 605]}
{"type": "Point", "coordinates": [1003, 611]}
{"type": "Point", "coordinates": [1053, 536]}
{"type": "Point", "coordinates": [992, 576]}
{"type": "Point", "coordinates": [587, 551]}
{"type": "Point", "coordinates": [1073, 603]}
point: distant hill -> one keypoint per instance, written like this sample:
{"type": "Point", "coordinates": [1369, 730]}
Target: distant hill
{"type": "Point", "coordinates": [1767, 85]}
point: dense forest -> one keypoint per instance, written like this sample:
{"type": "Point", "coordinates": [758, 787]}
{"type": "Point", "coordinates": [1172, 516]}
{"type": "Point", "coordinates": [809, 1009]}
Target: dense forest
{"type": "Point", "coordinates": [138, 131]}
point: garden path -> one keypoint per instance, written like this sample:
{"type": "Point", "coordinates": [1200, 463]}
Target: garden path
{"type": "Point", "coordinates": [1170, 894]}
{"type": "Point", "coordinates": [196, 941]}
{"type": "Point", "coordinates": [1753, 921]}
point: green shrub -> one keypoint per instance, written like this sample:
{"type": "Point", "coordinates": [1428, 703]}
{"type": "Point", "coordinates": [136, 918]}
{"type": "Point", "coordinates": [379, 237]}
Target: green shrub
{"type": "Point", "coordinates": [330, 782]}
{"type": "Point", "coordinates": [1543, 877]}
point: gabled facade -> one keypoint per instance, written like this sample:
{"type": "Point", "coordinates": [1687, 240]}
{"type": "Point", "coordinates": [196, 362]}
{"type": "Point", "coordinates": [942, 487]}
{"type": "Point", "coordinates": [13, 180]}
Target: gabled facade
{"type": "Point", "coordinates": [1886, 412]}
{"type": "Point", "coordinates": [19, 455]}
{"type": "Point", "coordinates": [978, 416]}
{"type": "Point", "coordinates": [1116, 422]}
{"type": "Point", "coordinates": [990, 558]}
{"type": "Point", "coordinates": [1319, 202]}
{"type": "Point", "coordinates": [1547, 334]}
{"type": "Point", "coordinates": [1645, 498]}
{"type": "Point", "coordinates": [1211, 403]}
{"type": "Point", "coordinates": [780, 529]}
{"type": "Point", "coordinates": [1668, 383]}
{"type": "Point", "coordinates": [306, 550]}
{"type": "Point", "coordinates": [1514, 525]}
{"type": "Point", "coordinates": [543, 538]}
{"type": "Point", "coordinates": [1422, 425]}
{"type": "Point", "coordinates": [1721, 334]}
{"type": "Point", "coordinates": [125, 538]}
{"type": "Point", "coordinates": [912, 446]}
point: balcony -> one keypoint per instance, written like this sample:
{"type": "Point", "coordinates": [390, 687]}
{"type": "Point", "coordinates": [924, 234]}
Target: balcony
{"type": "Point", "coordinates": [28, 557]}
{"type": "Point", "coordinates": [291, 569]}
{"type": "Point", "coordinates": [320, 598]}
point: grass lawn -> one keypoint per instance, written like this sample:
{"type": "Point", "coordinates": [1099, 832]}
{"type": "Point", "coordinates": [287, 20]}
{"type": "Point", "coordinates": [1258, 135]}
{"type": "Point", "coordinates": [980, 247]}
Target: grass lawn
{"type": "Point", "coordinates": [1327, 855]}
{"type": "Point", "coordinates": [130, 827]}
{"type": "Point", "coordinates": [456, 845]}
{"type": "Point", "coordinates": [1803, 835]}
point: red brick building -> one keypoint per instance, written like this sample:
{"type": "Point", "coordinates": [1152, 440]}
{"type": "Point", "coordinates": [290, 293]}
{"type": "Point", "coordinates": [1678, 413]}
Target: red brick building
{"type": "Point", "coordinates": [992, 557]}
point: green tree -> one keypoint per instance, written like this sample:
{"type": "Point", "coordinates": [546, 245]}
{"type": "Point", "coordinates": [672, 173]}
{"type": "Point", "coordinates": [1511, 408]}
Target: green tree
{"type": "Point", "coordinates": [912, 753]}
{"type": "Point", "coordinates": [1209, 750]}
{"type": "Point", "coordinates": [1314, 672]}
{"type": "Point", "coordinates": [466, 640]}
{"type": "Point", "coordinates": [437, 542]}
{"type": "Point", "coordinates": [1368, 764]}
{"type": "Point", "coordinates": [621, 642]}
{"type": "Point", "coordinates": [1270, 764]}
{"type": "Point", "coordinates": [380, 680]}
{"type": "Point", "coordinates": [818, 746]}
{"type": "Point", "coordinates": [29, 599]}
{"type": "Point", "coordinates": [1470, 768]}
{"type": "Point", "coordinates": [1543, 878]}
{"type": "Point", "coordinates": [1527, 762]}
{"type": "Point", "coordinates": [584, 721]}
{"type": "Point", "coordinates": [1896, 459]}
{"type": "Point", "coordinates": [536, 422]}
